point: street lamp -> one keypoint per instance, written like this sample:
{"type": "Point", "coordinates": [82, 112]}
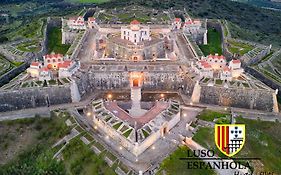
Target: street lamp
{"type": "Point", "coordinates": [162, 95]}
{"type": "Point", "coordinates": [95, 127]}
{"type": "Point", "coordinates": [184, 114]}
{"type": "Point", "coordinates": [89, 114]}
{"type": "Point", "coordinates": [109, 96]}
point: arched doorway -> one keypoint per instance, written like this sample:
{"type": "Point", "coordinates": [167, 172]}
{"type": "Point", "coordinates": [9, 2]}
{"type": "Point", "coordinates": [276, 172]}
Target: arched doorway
{"type": "Point", "coordinates": [135, 83]}
{"type": "Point", "coordinates": [165, 130]}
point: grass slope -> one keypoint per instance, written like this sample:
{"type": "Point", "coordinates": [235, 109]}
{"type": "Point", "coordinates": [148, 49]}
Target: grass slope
{"type": "Point", "coordinates": [264, 25]}
{"type": "Point", "coordinates": [33, 156]}
{"type": "Point", "coordinates": [80, 159]}
{"type": "Point", "coordinates": [214, 43]}
{"type": "Point", "coordinates": [54, 41]}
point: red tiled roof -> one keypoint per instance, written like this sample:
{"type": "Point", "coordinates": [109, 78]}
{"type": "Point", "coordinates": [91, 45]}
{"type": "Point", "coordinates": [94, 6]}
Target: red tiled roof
{"type": "Point", "coordinates": [236, 61]}
{"type": "Point", "coordinates": [135, 22]}
{"type": "Point", "coordinates": [91, 19]}
{"type": "Point", "coordinates": [205, 64]}
{"type": "Point", "coordinates": [216, 56]}
{"type": "Point", "coordinates": [177, 19]}
{"type": "Point", "coordinates": [45, 69]}
{"type": "Point", "coordinates": [35, 64]}
{"type": "Point", "coordinates": [226, 69]}
{"type": "Point", "coordinates": [65, 64]}
{"type": "Point", "coordinates": [53, 56]}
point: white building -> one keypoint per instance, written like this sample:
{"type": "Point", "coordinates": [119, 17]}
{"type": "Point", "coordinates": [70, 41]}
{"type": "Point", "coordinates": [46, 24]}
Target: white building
{"type": "Point", "coordinates": [53, 63]}
{"type": "Point", "coordinates": [33, 70]}
{"type": "Point", "coordinates": [91, 22]}
{"type": "Point", "coordinates": [44, 74]}
{"type": "Point", "coordinates": [196, 30]}
{"type": "Point", "coordinates": [203, 68]}
{"type": "Point", "coordinates": [52, 60]}
{"type": "Point", "coordinates": [217, 62]}
{"type": "Point", "coordinates": [226, 74]}
{"type": "Point", "coordinates": [235, 67]}
{"type": "Point", "coordinates": [135, 32]}
{"type": "Point", "coordinates": [192, 26]}
{"type": "Point", "coordinates": [68, 68]}
{"type": "Point", "coordinates": [77, 23]}
{"type": "Point", "coordinates": [176, 24]}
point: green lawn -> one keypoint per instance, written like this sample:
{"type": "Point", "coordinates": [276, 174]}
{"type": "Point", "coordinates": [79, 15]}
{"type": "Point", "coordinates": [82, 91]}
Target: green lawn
{"type": "Point", "coordinates": [172, 165]}
{"type": "Point", "coordinates": [35, 157]}
{"type": "Point", "coordinates": [238, 47]}
{"type": "Point", "coordinates": [214, 43]}
{"type": "Point", "coordinates": [80, 159]}
{"type": "Point", "coordinates": [263, 140]}
{"type": "Point", "coordinates": [54, 41]}
{"type": "Point", "coordinates": [209, 115]}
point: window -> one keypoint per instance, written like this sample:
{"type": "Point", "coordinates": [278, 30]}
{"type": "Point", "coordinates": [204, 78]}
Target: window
{"type": "Point", "coordinates": [124, 32]}
{"type": "Point", "coordinates": [135, 35]}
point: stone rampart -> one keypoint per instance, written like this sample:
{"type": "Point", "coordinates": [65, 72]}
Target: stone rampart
{"type": "Point", "coordinates": [34, 97]}
{"type": "Point", "coordinates": [240, 98]}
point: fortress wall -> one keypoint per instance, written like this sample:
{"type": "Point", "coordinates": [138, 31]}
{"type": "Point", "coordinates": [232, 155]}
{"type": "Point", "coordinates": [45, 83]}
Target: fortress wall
{"type": "Point", "coordinates": [241, 98]}
{"type": "Point", "coordinates": [33, 97]}
{"type": "Point", "coordinates": [7, 77]}
{"type": "Point", "coordinates": [83, 84]}
{"type": "Point", "coordinates": [188, 86]}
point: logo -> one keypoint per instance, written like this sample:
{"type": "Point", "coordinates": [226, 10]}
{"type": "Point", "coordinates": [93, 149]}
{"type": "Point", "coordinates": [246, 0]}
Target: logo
{"type": "Point", "coordinates": [230, 138]}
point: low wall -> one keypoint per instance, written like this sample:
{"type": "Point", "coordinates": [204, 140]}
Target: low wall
{"type": "Point", "coordinates": [240, 98]}
{"type": "Point", "coordinates": [34, 97]}
{"type": "Point", "coordinates": [7, 77]}
{"type": "Point", "coordinates": [264, 79]}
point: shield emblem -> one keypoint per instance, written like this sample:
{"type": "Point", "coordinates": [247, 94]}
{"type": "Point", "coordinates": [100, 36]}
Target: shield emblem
{"type": "Point", "coordinates": [230, 138]}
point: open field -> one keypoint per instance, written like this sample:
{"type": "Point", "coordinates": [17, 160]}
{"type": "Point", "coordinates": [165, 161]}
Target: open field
{"type": "Point", "coordinates": [80, 159]}
{"type": "Point", "coordinates": [214, 43]}
{"type": "Point", "coordinates": [173, 165]}
{"type": "Point", "coordinates": [25, 145]}
{"type": "Point", "coordinates": [263, 140]}
{"type": "Point", "coordinates": [238, 47]}
{"type": "Point", "coordinates": [213, 116]}
{"type": "Point", "coordinates": [54, 42]}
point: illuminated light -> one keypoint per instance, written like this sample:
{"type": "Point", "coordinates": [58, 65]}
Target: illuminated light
{"type": "Point", "coordinates": [89, 114]}
{"type": "Point", "coordinates": [120, 148]}
{"type": "Point", "coordinates": [191, 103]}
{"type": "Point", "coordinates": [95, 127]}
{"type": "Point", "coordinates": [162, 95]}
{"type": "Point", "coordinates": [107, 137]}
{"type": "Point", "coordinates": [184, 114]}
{"type": "Point", "coordinates": [153, 147]}
{"type": "Point", "coordinates": [225, 109]}
{"type": "Point", "coordinates": [137, 160]}
{"type": "Point", "coordinates": [109, 96]}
